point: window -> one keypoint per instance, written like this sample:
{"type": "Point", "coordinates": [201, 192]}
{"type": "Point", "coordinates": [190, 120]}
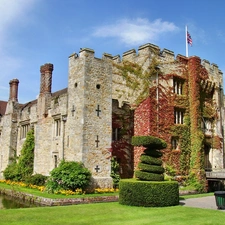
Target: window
{"type": "Point", "coordinates": [178, 86]}
{"type": "Point", "coordinates": [116, 134]}
{"type": "Point", "coordinates": [178, 116]}
{"type": "Point", "coordinates": [206, 126]}
{"type": "Point", "coordinates": [55, 160]}
{"type": "Point", "coordinates": [23, 130]}
{"type": "Point", "coordinates": [57, 127]}
{"type": "Point", "coordinates": [174, 143]}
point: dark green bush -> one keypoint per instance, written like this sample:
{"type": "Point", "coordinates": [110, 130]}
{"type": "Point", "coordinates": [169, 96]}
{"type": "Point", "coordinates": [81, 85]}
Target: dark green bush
{"type": "Point", "coordinates": [26, 159]}
{"type": "Point", "coordinates": [11, 172]}
{"type": "Point", "coordinates": [142, 175]}
{"type": "Point", "coordinates": [115, 166]}
{"type": "Point", "coordinates": [150, 141]}
{"type": "Point", "coordinates": [19, 171]}
{"type": "Point", "coordinates": [36, 179]}
{"type": "Point", "coordinates": [148, 193]}
{"type": "Point", "coordinates": [150, 168]}
{"type": "Point", "coordinates": [68, 176]}
{"type": "Point", "coordinates": [153, 153]}
{"type": "Point", "coordinates": [150, 160]}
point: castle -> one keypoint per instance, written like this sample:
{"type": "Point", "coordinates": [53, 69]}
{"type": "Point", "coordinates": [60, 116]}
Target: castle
{"type": "Point", "coordinates": [109, 100]}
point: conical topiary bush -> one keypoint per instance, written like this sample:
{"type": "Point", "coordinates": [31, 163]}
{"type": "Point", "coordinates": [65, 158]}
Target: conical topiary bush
{"type": "Point", "coordinates": [149, 188]}
{"type": "Point", "coordinates": [150, 165]}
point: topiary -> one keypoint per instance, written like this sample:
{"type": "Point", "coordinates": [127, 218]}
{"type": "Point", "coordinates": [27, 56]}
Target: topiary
{"type": "Point", "coordinates": [68, 176]}
{"type": "Point", "coordinates": [150, 168]}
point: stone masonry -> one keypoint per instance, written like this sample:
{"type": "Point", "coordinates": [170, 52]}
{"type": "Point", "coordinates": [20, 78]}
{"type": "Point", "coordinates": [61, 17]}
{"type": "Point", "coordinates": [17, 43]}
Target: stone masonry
{"type": "Point", "coordinates": [78, 122]}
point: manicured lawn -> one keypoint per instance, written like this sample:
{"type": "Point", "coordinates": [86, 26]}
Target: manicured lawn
{"type": "Point", "coordinates": [107, 213]}
{"type": "Point", "coordinates": [111, 213]}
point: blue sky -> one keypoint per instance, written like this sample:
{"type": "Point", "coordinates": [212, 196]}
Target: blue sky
{"type": "Point", "coordinates": [35, 32]}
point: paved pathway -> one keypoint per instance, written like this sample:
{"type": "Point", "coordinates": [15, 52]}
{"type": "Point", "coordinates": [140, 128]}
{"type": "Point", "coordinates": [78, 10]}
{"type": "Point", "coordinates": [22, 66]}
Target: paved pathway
{"type": "Point", "coordinates": [208, 202]}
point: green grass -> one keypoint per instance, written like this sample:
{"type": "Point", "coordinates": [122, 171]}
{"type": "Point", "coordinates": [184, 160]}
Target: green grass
{"type": "Point", "coordinates": [197, 195]}
{"type": "Point", "coordinates": [111, 213]}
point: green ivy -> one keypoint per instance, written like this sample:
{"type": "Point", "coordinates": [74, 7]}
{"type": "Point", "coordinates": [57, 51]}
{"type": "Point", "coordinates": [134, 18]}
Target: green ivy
{"type": "Point", "coordinates": [26, 159]}
{"type": "Point", "coordinates": [115, 172]}
{"type": "Point", "coordinates": [19, 171]}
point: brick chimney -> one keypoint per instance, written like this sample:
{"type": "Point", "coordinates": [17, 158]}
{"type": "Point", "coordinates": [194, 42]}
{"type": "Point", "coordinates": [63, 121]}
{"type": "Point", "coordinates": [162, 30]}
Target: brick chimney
{"type": "Point", "coordinates": [46, 78]}
{"type": "Point", "coordinates": [44, 100]}
{"type": "Point", "coordinates": [13, 94]}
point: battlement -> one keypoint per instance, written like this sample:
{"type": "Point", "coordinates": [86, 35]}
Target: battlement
{"type": "Point", "coordinates": [149, 51]}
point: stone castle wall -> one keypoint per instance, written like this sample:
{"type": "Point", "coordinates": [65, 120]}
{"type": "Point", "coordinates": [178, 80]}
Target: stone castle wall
{"type": "Point", "coordinates": [82, 113]}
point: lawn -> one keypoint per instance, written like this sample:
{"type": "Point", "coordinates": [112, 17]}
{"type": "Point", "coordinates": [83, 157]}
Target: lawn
{"type": "Point", "coordinates": [111, 213]}
{"type": "Point", "coordinates": [108, 213]}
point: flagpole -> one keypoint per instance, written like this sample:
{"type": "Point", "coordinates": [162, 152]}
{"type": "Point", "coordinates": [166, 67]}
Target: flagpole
{"type": "Point", "coordinates": [186, 30]}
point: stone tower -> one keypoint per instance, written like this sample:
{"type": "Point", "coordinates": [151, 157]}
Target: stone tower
{"type": "Point", "coordinates": [9, 125]}
{"type": "Point", "coordinates": [90, 114]}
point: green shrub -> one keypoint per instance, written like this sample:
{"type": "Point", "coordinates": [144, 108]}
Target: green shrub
{"type": "Point", "coordinates": [150, 168]}
{"type": "Point", "coordinates": [68, 176]}
{"type": "Point", "coordinates": [36, 179]}
{"type": "Point", "coordinates": [148, 193]}
{"type": "Point", "coordinates": [142, 175]}
{"type": "Point", "coordinates": [26, 159]}
{"type": "Point", "coordinates": [19, 171]}
{"type": "Point", "coordinates": [150, 141]}
{"type": "Point", "coordinates": [153, 153]}
{"type": "Point", "coordinates": [150, 160]}
{"type": "Point", "coordinates": [115, 172]}
{"type": "Point", "coordinates": [11, 172]}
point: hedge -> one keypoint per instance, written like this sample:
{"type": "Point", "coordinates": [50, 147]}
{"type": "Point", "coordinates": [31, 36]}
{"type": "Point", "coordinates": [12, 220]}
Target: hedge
{"type": "Point", "coordinates": [150, 160]}
{"type": "Point", "coordinates": [153, 152]}
{"type": "Point", "coordinates": [142, 175]}
{"type": "Point", "coordinates": [148, 193]}
{"type": "Point", "coordinates": [151, 168]}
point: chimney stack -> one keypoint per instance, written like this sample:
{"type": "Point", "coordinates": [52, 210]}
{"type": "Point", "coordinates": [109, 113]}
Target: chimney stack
{"type": "Point", "coordinates": [13, 95]}
{"type": "Point", "coordinates": [46, 78]}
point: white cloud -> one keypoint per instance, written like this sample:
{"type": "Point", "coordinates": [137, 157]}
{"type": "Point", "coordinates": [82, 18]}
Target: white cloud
{"type": "Point", "coordinates": [13, 13]}
{"type": "Point", "coordinates": [137, 31]}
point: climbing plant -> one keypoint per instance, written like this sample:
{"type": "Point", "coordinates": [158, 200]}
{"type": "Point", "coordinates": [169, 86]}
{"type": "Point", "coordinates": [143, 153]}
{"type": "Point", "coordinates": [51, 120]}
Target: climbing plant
{"type": "Point", "coordinates": [21, 169]}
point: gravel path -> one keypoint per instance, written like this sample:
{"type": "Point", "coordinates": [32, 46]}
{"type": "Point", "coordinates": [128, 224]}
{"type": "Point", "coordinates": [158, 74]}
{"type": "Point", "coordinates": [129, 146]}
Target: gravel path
{"type": "Point", "coordinates": [208, 202]}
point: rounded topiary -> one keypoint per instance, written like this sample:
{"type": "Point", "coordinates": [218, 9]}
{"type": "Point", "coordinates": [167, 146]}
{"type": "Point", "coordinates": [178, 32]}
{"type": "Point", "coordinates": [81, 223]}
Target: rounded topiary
{"type": "Point", "coordinates": [153, 152]}
{"type": "Point", "coordinates": [151, 168]}
{"type": "Point", "coordinates": [149, 189]}
{"type": "Point", "coordinates": [142, 175]}
{"type": "Point", "coordinates": [148, 141]}
{"type": "Point", "coordinates": [150, 160]}
{"type": "Point", "coordinates": [148, 193]}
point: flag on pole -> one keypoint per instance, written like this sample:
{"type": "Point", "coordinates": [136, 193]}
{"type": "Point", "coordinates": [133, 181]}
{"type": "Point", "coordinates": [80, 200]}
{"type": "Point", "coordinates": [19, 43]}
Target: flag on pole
{"type": "Point", "coordinates": [189, 39]}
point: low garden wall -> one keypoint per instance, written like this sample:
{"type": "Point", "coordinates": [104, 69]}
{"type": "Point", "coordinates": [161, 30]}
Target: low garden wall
{"type": "Point", "coordinates": [57, 202]}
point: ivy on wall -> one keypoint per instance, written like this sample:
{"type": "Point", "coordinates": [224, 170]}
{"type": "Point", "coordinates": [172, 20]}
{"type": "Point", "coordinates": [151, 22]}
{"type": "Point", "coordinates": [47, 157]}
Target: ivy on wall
{"type": "Point", "coordinates": [197, 104]}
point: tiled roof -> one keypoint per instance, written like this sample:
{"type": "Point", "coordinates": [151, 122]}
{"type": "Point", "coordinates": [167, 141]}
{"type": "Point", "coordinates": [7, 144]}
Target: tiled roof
{"type": "Point", "coordinates": [3, 105]}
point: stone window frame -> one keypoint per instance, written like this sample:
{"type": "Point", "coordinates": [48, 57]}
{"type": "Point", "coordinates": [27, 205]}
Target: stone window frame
{"type": "Point", "coordinates": [179, 116]}
{"type": "Point", "coordinates": [116, 134]}
{"type": "Point", "coordinates": [175, 143]}
{"type": "Point", "coordinates": [57, 125]}
{"type": "Point", "coordinates": [24, 128]}
{"type": "Point", "coordinates": [178, 86]}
